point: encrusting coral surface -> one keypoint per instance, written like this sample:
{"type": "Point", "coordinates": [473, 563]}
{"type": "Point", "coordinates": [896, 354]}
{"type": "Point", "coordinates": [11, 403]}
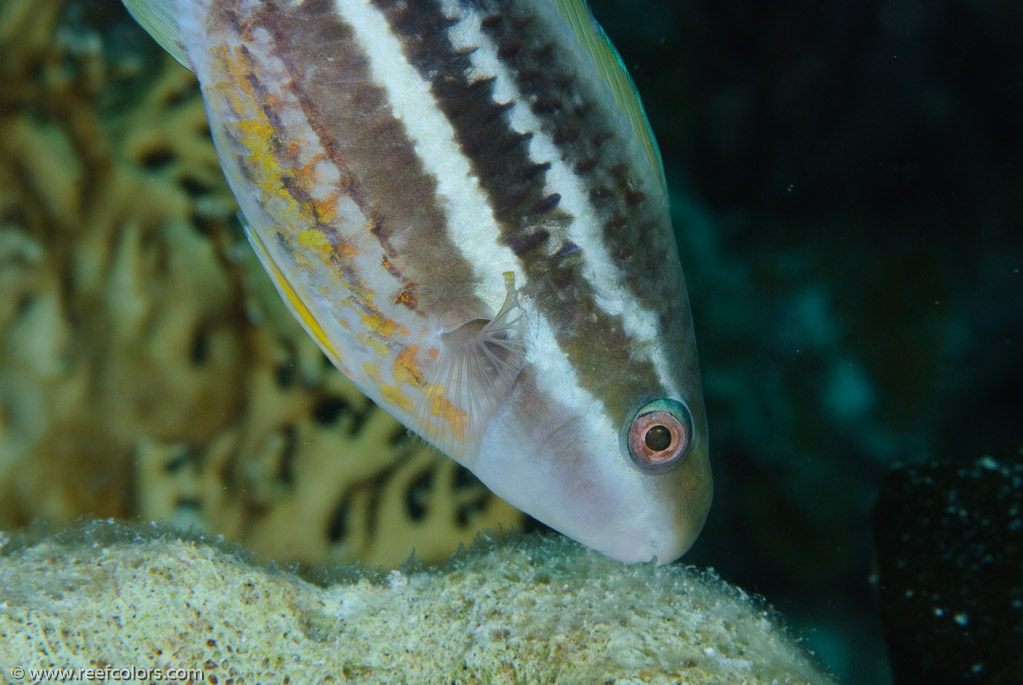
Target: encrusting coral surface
{"type": "Point", "coordinates": [525, 610]}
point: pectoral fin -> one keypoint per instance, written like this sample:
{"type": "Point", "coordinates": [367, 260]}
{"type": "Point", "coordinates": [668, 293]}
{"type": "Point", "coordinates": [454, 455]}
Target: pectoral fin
{"type": "Point", "coordinates": [477, 365]}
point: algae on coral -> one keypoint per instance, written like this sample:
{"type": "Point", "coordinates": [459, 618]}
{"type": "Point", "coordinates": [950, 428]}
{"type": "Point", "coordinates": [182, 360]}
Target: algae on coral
{"type": "Point", "coordinates": [524, 610]}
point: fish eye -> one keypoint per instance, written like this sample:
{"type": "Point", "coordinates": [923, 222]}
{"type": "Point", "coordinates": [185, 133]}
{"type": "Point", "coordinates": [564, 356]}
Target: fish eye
{"type": "Point", "coordinates": [658, 438]}
{"type": "Point", "coordinates": [660, 434]}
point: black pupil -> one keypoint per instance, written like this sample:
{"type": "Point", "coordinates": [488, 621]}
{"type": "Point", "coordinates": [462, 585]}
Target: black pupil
{"type": "Point", "coordinates": [658, 438]}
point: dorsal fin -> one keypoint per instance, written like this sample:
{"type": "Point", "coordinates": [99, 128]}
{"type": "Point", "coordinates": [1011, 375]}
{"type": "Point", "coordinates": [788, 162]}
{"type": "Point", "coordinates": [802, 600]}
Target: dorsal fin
{"type": "Point", "coordinates": [611, 68]}
{"type": "Point", "coordinates": [160, 19]}
{"type": "Point", "coordinates": [477, 365]}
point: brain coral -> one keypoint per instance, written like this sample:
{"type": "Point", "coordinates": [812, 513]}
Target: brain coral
{"type": "Point", "coordinates": [147, 368]}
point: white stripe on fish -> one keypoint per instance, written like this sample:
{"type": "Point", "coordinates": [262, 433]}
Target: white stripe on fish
{"type": "Point", "coordinates": [600, 270]}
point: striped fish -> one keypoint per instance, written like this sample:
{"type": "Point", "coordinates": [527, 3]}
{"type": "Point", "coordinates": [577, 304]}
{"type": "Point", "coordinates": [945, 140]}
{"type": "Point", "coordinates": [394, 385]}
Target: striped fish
{"type": "Point", "coordinates": [462, 202]}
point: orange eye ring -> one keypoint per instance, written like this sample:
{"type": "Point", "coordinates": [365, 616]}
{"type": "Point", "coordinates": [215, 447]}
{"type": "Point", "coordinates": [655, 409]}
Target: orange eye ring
{"type": "Point", "coordinates": [660, 435]}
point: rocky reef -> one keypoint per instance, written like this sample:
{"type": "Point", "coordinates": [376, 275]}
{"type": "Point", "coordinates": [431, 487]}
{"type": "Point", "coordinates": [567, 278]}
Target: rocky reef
{"type": "Point", "coordinates": [949, 542]}
{"type": "Point", "coordinates": [531, 609]}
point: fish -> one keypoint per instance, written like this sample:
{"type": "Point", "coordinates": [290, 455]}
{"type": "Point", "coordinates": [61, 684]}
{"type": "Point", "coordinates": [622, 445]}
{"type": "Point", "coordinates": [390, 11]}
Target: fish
{"type": "Point", "coordinates": [463, 203]}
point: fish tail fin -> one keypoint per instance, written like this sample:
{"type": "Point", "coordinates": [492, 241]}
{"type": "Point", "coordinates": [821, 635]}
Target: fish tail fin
{"type": "Point", "coordinates": [160, 19]}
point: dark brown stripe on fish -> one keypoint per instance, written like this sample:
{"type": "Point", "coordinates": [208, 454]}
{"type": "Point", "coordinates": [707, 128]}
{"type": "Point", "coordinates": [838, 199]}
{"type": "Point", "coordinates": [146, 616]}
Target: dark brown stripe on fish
{"type": "Point", "coordinates": [588, 143]}
{"type": "Point", "coordinates": [358, 133]}
{"type": "Point", "coordinates": [529, 218]}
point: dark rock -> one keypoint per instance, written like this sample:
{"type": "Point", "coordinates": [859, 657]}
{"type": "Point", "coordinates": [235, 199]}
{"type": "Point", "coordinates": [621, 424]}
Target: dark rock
{"type": "Point", "coordinates": [949, 540]}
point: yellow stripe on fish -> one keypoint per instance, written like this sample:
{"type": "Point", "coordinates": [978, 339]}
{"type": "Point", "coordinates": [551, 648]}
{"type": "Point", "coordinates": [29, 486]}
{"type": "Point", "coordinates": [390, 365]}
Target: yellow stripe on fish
{"type": "Point", "coordinates": [462, 202]}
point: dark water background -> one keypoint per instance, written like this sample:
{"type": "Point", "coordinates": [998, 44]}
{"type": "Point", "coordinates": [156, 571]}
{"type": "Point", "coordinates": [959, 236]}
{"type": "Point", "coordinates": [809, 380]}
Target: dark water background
{"type": "Point", "coordinates": [847, 184]}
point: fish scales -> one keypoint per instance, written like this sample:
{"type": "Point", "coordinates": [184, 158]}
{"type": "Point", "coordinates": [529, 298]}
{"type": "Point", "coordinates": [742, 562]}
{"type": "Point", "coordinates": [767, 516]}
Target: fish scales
{"type": "Point", "coordinates": [458, 202]}
{"type": "Point", "coordinates": [523, 182]}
